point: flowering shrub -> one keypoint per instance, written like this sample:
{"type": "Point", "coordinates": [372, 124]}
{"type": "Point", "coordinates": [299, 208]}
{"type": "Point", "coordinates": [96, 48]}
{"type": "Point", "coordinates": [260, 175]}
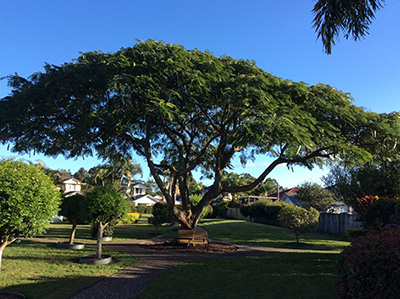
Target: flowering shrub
{"type": "Point", "coordinates": [370, 267]}
{"type": "Point", "coordinates": [381, 212]}
{"type": "Point", "coordinates": [363, 203]}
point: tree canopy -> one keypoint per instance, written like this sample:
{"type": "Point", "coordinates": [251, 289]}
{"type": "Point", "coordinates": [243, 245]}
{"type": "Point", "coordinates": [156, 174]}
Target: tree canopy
{"type": "Point", "coordinates": [186, 110]}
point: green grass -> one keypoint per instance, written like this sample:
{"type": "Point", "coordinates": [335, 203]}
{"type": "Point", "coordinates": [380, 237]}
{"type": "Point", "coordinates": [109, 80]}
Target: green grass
{"type": "Point", "coordinates": [275, 275]}
{"type": "Point", "coordinates": [61, 231]}
{"type": "Point", "coordinates": [272, 236]}
{"type": "Point", "coordinates": [43, 271]}
{"type": "Point", "coordinates": [40, 270]}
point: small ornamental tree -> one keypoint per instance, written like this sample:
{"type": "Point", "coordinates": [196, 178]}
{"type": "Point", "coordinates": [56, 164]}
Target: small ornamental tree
{"type": "Point", "coordinates": [313, 195]}
{"type": "Point", "coordinates": [75, 209]}
{"type": "Point", "coordinates": [106, 206]}
{"type": "Point", "coordinates": [297, 219]}
{"type": "Point", "coordinates": [28, 198]}
{"type": "Point", "coordinates": [160, 215]}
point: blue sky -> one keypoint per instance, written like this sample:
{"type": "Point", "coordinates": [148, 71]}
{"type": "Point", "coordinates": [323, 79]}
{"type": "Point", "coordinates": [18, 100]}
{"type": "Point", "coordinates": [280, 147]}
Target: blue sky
{"type": "Point", "coordinates": [278, 35]}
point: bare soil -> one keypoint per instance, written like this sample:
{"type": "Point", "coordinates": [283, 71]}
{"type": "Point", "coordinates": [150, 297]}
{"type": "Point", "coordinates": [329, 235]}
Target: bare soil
{"type": "Point", "coordinates": [212, 247]}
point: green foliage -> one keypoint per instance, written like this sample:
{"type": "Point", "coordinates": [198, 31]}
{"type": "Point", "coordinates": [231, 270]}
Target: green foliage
{"type": "Point", "coordinates": [313, 195]}
{"type": "Point", "coordinates": [352, 233]}
{"type": "Point", "coordinates": [350, 17]}
{"type": "Point", "coordinates": [106, 205]}
{"type": "Point", "coordinates": [28, 199]}
{"type": "Point", "coordinates": [142, 209]}
{"type": "Point", "coordinates": [189, 110]}
{"type": "Point", "coordinates": [75, 209]}
{"type": "Point", "coordinates": [381, 212]}
{"type": "Point", "coordinates": [370, 267]}
{"type": "Point", "coordinates": [380, 178]}
{"type": "Point", "coordinates": [130, 218]}
{"type": "Point", "coordinates": [297, 219]}
{"type": "Point", "coordinates": [160, 215]}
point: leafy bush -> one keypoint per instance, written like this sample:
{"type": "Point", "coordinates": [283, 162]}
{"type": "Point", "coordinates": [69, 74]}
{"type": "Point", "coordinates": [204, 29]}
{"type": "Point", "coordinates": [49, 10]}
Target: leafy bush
{"type": "Point", "coordinates": [160, 215]}
{"type": "Point", "coordinates": [257, 210]}
{"type": "Point", "coordinates": [363, 203]}
{"type": "Point", "coordinates": [131, 218]}
{"type": "Point", "coordinates": [352, 233]}
{"type": "Point", "coordinates": [245, 210]}
{"type": "Point", "coordinates": [370, 267]}
{"type": "Point", "coordinates": [297, 219]}
{"type": "Point", "coordinates": [142, 209]}
{"type": "Point", "coordinates": [381, 212]}
{"type": "Point", "coordinates": [272, 211]}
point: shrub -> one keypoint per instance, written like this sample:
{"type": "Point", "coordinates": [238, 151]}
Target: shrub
{"type": "Point", "coordinates": [131, 218]}
{"type": "Point", "coordinates": [142, 209]}
{"type": "Point", "coordinates": [160, 215]}
{"type": "Point", "coordinates": [297, 219]}
{"type": "Point", "coordinates": [245, 209]}
{"type": "Point", "coordinates": [352, 233]}
{"type": "Point", "coordinates": [370, 267]}
{"type": "Point", "coordinates": [257, 210]}
{"type": "Point", "coordinates": [272, 211]}
{"type": "Point", "coordinates": [380, 213]}
{"type": "Point", "coordinates": [363, 203]}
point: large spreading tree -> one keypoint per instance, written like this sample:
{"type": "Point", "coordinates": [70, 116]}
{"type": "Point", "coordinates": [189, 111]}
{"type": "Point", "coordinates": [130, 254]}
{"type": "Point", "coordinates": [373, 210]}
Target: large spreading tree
{"type": "Point", "coordinates": [183, 111]}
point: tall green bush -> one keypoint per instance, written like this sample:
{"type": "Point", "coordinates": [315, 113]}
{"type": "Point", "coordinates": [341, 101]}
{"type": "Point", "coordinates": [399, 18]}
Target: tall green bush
{"type": "Point", "coordinates": [160, 215]}
{"type": "Point", "coordinates": [28, 199]}
{"type": "Point", "coordinates": [381, 212]}
{"type": "Point", "coordinates": [75, 209]}
{"type": "Point", "coordinates": [297, 219]}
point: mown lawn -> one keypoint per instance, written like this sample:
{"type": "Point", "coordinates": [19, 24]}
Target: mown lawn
{"type": "Point", "coordinates": [272, 236]}
{"type": "Point", "coordinates": [43, 271]}
{"type": "Point", "coordinates": [274, 275]}
{"type": "Point", "coordinates": [40, 270]}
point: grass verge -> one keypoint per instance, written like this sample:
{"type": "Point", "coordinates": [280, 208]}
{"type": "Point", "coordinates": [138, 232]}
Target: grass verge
{"type": "Point", "coordinates": [275, 275]}
{"type": "Point", "coordinates": [40, 270]}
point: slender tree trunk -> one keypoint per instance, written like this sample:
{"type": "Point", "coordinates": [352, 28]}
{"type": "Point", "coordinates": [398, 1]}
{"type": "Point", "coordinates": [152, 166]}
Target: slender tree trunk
{"type": "Point", "coordinates": [72, 236]}
{"type": "Point", "coordinates": [1, 253]}
{"type": "Point", "coordinates": [297, 236]}
{"type": "Point", "coordinates": [2, 246]}
{"type": "Point", "coordinates": [100, 240]}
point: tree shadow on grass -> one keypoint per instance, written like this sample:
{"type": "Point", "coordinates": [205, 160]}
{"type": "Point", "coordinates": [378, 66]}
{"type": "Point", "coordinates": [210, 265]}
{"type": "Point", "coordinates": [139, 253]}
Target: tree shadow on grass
{"type": "Point", "coordinates": [50, 287]}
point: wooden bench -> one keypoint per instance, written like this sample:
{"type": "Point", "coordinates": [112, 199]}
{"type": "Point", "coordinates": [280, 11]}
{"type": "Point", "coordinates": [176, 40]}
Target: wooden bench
{"type": "Point", "coordinates": [192, 237]}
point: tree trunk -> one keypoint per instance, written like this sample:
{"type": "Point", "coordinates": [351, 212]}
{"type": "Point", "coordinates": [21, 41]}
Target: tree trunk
{"type": "Point", "coordinates": [2, 246]}
{"type": "Point", "coordinates": [72, 236]}
{"type": "Point", "coordinates": [100, 240]}
{"type": "Point", "coordinates": [297, 236]}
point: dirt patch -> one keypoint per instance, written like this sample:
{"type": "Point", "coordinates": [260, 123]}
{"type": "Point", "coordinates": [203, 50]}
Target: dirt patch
{"type": "Point", "coordinates": [173, 246]}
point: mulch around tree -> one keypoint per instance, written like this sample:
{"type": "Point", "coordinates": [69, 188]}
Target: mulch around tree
{"type": "Point", "coordinates": [213, 247]}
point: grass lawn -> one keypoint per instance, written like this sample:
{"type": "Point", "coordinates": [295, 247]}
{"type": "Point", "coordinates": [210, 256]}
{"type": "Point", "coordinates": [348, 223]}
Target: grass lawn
{"type": "Point", "coordinates": [274, 275]}
{"type": "Point", "coordinates": [272, 236]}
{"type": "Point", "coordinates": [61, 231]}
{"type": "Point", "coordinates": [41, 270]}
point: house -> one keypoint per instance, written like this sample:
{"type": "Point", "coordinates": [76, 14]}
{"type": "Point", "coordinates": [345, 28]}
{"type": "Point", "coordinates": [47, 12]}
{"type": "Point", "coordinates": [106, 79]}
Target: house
{"type": "Point", "coordinates": [290, 197]}
{"type": "Point", "coordinates": [287, 196]}
{"type": "Point", "coordinates": [143, 199]}
{"type": "Point", "coordinates": [72, 186]}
